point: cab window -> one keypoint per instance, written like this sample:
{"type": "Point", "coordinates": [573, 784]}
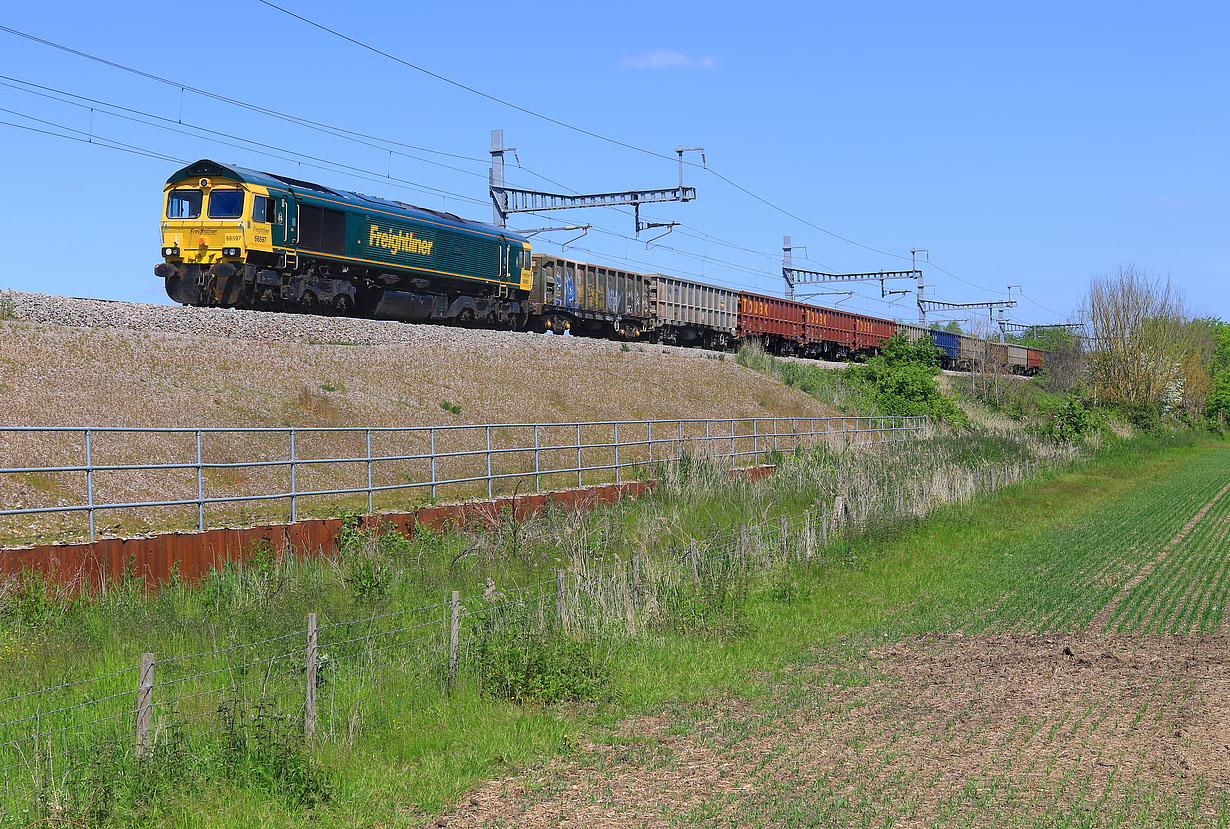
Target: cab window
{"type": "Point", "coordinates": [261, 209]}
{"type": "Point", "coordinates": [184, 204]}
{"type": "Point", "coordinates": [226, 204]}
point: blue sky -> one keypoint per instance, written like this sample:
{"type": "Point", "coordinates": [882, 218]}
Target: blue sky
{"type": "Point", "coordinates": [1035, 144]}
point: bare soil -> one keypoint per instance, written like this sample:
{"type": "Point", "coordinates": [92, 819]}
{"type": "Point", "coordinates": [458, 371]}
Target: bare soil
{"type": "Point", "coordinates": [937, 731]}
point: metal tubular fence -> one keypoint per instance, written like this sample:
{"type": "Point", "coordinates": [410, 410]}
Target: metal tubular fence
{"type": "Point", "coordinates": [335, 680]}
{"type": "Point", "coordinates": [206, 471]}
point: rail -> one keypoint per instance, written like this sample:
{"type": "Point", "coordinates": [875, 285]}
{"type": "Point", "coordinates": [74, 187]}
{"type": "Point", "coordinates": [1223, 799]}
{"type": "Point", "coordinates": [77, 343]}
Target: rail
{"type": "Point", "coordinates": [97, 470]}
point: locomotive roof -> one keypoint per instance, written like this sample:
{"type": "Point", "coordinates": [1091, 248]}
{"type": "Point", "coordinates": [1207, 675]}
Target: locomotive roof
{"type": "Point", "coordinates": [205, 167]}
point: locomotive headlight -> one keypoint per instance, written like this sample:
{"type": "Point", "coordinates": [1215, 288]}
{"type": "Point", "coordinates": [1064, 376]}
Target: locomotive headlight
{"type": "Point", "coordinates": [170, 251]}
{"type": "Point", "coordinates": [230, 251]}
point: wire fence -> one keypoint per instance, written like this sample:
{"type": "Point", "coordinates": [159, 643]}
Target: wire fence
{"type": "Point", "coordinates": [336, 680]}
{"type": "Point", "coordinates": [111, 480]}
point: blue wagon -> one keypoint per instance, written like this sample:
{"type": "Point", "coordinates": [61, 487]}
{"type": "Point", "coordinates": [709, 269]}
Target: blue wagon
{"type": "Point", "coordinates": [947, 343]}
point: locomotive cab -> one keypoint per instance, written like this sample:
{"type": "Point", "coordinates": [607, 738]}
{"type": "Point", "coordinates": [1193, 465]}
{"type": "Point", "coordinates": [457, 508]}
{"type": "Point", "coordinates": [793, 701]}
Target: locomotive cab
{"type": "Point", "coordinates": [212, 227]}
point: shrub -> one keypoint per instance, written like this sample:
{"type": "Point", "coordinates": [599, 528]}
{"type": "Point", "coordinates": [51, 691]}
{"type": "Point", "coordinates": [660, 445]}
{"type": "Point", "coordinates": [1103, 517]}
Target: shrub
{"type": "Point", "coordinates": [901, 381]}
{"type": "Point", "coordinates": [1070, 421]}
{"type": "Point", "coordinates": [526, 666]}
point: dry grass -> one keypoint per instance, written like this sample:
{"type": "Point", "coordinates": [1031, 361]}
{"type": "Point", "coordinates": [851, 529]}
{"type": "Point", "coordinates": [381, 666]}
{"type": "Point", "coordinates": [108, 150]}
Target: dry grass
{"type": "Point", "coordinates": [59, 376]}
{"type": "Point", "coordinates": [69, 376]}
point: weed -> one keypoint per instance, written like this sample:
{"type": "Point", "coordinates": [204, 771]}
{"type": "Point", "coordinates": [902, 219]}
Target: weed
{"type": "Point", "coordinates": [311, 403]}
{"type": "Point", "coordinates": [266, 749]}
{"type": "Point", "coordinates": [518, 660]}
{"type": "Point", "coordinates": [450, 407]}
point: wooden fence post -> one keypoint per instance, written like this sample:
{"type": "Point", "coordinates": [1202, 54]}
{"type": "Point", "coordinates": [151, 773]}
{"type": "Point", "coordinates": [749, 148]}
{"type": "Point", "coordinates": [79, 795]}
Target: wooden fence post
{"type": "Point", "coordinates": [309, 688]}
{"type": "Point", "coordinates": [145, 703]}
{"type": "Point", "coordinates": [692, 559]}
{"type": "Point", "coordinates": [782, 533]}
{"type": "Point", "coordinates": [454, 634]}
{"type": "Point", "coordinates": [559, 598]}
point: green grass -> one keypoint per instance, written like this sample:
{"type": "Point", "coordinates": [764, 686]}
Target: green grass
{"type": "Point", "coordinates": [1026, 553]}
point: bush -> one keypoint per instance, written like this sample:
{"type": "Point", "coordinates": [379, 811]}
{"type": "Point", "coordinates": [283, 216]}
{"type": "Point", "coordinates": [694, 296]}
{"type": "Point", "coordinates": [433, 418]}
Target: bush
{"type": "Point", "coordinates": [901, 381]}
{"type": "Point", "coordinates": [525, 666]}
{"type": "Point", "coordinates": [1070, 421]}
{"type": "Point", "coordinates": [28, 599]}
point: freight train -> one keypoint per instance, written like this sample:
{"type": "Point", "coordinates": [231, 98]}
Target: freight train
{"type": "Point", "coordinates": [240, 238]}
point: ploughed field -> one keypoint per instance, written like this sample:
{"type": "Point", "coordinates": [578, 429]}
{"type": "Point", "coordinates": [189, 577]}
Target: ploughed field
{"type": "Point", "coordinates": [1023, 670]}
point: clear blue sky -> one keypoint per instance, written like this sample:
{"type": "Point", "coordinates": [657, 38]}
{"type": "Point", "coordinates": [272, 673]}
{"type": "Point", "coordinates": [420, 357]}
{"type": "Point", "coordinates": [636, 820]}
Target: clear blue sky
{"type": "Point", "coordinates": [1030, 144]}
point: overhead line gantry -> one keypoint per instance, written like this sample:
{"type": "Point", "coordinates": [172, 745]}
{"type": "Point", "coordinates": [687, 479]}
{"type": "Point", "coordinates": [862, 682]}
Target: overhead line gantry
{"type": "Point", "coordinates": [517, 200]}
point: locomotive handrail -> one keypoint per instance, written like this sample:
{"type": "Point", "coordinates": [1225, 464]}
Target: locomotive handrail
{"type": "Point", "coordinates": [492, 453]}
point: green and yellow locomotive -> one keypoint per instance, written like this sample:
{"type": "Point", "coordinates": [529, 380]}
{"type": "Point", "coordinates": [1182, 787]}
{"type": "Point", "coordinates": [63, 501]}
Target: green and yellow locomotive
{"type": "Point", "coordinates": [234, 237]}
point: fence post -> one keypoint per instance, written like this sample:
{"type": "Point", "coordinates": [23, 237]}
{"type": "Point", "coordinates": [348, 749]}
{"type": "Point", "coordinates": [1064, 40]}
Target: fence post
{"type": "Point", "coordinates": [89, 481]}
{"type": "Point", "coordinates": [454, 632]}
{"type": "Point", "coordinates": [200, 486]}
{"type": "Point", "coordinates": [537, 476]}
{"type": "Point", "coordinates": [294, 515]}
{"type": "Point", "coordinates": [559, 598]}
{"type": "Point", "coordinates": [370, 499]}
{"type": "Point", "coordinates": [744, 552]}
{"type": "Point", "coordinates": [309, 692]}
{"type": "Point", "coordinates": [782, 532]}
{"type": "Point", "coordinates": [616, 442]}
{"type": "Point", "coordinates": [431, 436]}
{"type": "Point", "coordinates": [637, 584]}
{"type": "Point", "coordinates": [579, 456]}
{"type": "Point", "coordinates": [489, 481]}
{"type": "Point", "coordinates": [145, 703]}
{"type": "Point", "coordinates": [692, 559]}
{"type": "Point", "coordinates": [649, 439]}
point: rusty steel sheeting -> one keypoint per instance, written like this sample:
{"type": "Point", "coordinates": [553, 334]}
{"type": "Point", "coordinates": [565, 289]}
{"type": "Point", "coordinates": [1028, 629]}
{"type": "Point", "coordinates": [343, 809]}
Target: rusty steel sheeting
{"type": "Point", "coordinates": [191, 556]}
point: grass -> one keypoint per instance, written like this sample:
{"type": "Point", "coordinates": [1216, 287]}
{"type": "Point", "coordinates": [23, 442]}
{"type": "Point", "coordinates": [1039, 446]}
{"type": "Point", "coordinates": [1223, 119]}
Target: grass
{"type": "Point", "coordinates": [933, 568]}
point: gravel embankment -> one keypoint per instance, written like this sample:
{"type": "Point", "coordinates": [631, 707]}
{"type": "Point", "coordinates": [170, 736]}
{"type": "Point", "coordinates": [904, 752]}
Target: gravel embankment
{"type": "Point", "coordinates": [267, 326]}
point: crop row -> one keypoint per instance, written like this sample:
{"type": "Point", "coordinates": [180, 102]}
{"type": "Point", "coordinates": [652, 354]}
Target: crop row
{"type": "Point", "coordinates": [1188, 589]}
{"type": "Point", "coordinates": [1064, 582]}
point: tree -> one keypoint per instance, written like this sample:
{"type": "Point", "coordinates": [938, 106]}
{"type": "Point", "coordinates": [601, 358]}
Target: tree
{"type": "Point", "coordinates": [953, 327]}
{"type": "Point", "coordinates": [1217, 407]}
{"type": "Point", "coordinates": [1142, 351]}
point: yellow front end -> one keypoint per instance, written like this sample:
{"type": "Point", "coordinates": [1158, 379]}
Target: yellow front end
{"type": "Point", "coordinates": [207, 221]}
{"type": "Point", "coordinates": [527, 273]}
